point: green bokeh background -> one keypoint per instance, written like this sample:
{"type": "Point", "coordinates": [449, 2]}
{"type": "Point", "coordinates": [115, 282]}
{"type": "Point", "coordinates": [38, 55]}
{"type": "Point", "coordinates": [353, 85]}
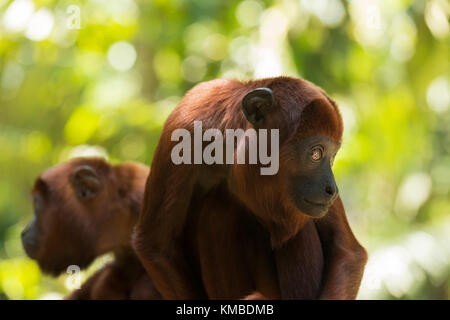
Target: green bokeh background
{"type": "Point", "coordinates": [106, 87]}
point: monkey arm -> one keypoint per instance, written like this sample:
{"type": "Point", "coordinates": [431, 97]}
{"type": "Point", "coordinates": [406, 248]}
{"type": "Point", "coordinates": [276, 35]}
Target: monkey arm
{"type": "Point", "coordinates": [345, 258]}
{"type": "Point", "coordinates": [299, 264]}
{"type": "Point", "coordinates": [157, 239]}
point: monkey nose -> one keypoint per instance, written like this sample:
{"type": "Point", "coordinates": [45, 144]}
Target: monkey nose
{"type": "Point", "coordinates": [23, 235]}
{"type": "Point", "coordinates": [331, 191]}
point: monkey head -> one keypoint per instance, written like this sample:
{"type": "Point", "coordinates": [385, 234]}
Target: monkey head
{"type": "Point", "coordinates": [310, 130]}
{"type": "Point", "coordinates": [82, 208]}
{"type": "Point", "coordinates": [309, 157]}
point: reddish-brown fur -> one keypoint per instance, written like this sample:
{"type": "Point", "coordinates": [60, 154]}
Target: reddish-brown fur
{"type": "Point", "coordinates": [74, 232]}
{"type": "Point", "coordinates": [225, 231]}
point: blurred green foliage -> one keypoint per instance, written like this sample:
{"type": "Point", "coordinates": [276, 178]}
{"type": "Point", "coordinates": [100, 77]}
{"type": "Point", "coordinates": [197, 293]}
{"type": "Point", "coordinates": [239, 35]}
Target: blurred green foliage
{"type": "Point", "coordinates": [105, 83]}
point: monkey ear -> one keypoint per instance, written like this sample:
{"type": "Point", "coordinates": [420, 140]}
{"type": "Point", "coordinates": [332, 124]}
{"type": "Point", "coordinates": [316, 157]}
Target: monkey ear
{"type": "Point", "coordinates": [257, 104]}
{"type": "Point", "coordinates": [85, 182]}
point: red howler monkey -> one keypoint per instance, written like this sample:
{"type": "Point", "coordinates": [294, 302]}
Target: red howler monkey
{"type": "Point", "coordinates": [225, 230]}
{"type": "Point", "coordinates": [83, 208]}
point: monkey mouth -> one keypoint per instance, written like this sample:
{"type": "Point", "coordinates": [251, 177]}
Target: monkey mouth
{"type": "Point", "coordinates": [315, 209]}
{"type": "Point", "coordinates": [317, 204]}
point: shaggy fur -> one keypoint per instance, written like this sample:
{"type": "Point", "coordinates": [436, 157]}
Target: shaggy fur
{"type": "Point", "coordinates": [225, 231]}
{"type": "Point", "coordinates": [74, 231]}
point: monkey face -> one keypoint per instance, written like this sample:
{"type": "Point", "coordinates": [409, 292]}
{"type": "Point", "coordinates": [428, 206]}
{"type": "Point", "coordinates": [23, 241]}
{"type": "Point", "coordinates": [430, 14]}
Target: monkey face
{"type": "Point", "coordinates": [305, 179]}
{"type": "Point", "coordinates": [78, 215]}
{"type": "Point", "coordinates": [312, 187]}
{"type": "Point", "coordinates": [57, 236]}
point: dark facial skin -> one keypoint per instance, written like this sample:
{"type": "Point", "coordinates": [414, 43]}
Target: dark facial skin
{"type": "Point", "coordinates": [30, 235]}
{"type": "Point", "coordinates": [313, 188]}
{"type": "Point", "coordinates": [30, 239]}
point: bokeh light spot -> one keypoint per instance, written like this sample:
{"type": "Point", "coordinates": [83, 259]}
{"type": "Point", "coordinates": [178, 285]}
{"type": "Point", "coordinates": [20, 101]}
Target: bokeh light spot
{"type": "Point", "coordinates": [121, 55]}
{"type": "Point", "coordinates": [438, 94]}
{"type": "Point", "coordinates": [414, 191]}
{"type": "Point", "coordinates": [248, 13]}
{"type": "Point", "coordinates": [437, 18]}
{"type": "Point", "coordinates": [18, 14]}
{"type": "Point", "coordinates": [193, 68]}
{"type": "Point", "coordinates": [40, 26]}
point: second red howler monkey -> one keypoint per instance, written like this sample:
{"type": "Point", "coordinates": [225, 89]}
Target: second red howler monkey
{"type": "Point", "coordinates": [225, 230]}
{"type": "Point", "coordinates": [83, 208]}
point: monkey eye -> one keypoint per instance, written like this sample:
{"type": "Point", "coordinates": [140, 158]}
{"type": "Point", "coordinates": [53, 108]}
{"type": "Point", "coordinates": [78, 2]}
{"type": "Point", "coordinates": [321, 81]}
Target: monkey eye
{"type": "Point", "coordinates": [316, 154]}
